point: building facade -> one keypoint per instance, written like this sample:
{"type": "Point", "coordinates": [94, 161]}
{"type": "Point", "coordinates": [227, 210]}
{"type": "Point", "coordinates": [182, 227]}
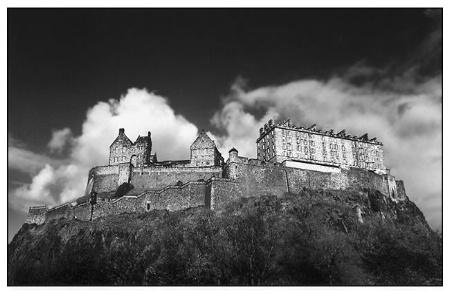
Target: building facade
{"type": "Point", "coordinates": [281, 141]}
{"type": "Point", "coordinates": [122, 150]}
{"type": "Point", "coordinates": [204, 152]}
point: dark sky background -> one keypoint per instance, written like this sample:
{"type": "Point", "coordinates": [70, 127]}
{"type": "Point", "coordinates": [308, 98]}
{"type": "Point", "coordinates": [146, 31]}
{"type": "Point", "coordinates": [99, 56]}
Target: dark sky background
{"type": "Point", "coordinates": [62, 61]}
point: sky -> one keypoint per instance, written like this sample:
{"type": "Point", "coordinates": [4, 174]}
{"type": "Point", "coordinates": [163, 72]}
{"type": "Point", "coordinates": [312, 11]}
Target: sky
{"type": "Point", "coordinates": [75, 76]}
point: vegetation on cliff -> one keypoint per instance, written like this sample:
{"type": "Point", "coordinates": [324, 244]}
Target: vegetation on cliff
{"type": "Point", "coordinates": [311, 238]}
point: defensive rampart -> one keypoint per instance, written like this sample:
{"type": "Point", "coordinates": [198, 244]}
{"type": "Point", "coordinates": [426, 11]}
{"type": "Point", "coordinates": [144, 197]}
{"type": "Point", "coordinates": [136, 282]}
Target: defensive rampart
{"type": "Point", "coordinates": [155, 178]}
{"type": "Point", "coordinates": [250, 179]}
{"type": "Point", "coordinates": [36, 215]}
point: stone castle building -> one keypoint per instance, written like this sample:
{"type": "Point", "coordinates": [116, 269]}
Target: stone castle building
{"type": "Point", "coordinates": [289, 158]}
{"type": "Point", "coordinates": [282, 141]}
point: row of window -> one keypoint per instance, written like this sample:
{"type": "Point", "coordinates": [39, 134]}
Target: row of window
{"type": "Point", "coordinates": [120, 159]}
{"type": "Point", "coordinates": [124, 149]}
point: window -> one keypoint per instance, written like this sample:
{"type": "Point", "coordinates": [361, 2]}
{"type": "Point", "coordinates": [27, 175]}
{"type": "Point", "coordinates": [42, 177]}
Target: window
{"type": "Point", "coordinates": [124, 149]}
{"type": "Point", "coordinates": [148, 206]}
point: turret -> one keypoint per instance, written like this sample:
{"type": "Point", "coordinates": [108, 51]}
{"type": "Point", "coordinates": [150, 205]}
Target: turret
{"type": "Point", "coordinates": [233, 155]}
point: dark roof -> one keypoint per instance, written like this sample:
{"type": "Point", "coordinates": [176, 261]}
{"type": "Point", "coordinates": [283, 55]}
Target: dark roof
{"type": "Point", "coordinates": [142, 139]}
{"type": "Point", "coordinates": [232, 150]}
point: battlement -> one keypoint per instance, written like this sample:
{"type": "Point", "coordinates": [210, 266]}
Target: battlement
{"type": "Point", "coordinates": [287, 124]}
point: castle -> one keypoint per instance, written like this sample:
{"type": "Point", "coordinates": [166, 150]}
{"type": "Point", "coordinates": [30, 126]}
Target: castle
{"type": "Point", "coordinates": [289, 158]}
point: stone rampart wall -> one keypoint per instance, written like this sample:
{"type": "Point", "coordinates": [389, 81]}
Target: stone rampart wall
{"type": "Point", "coordinates": [105, 183]}
{"type": "Point", "coordinates": [250, 181]}
{"type": "Point", "coordinates": [36, 215]}
{"type": "Point", "coordinates": [81, 212]}
{"type": "Point", "coordinates": [105, 170]}
{"type": "Point", "coordinates": [121, 205]}
{"type": "Point", "coordinates": [158, 178]}
{"type": "Point", "coordinates": [219, 192]}
{"type": "Point", "coordinates": [173, 198]}
{"type": "Point", "coordinates": [58, 211]}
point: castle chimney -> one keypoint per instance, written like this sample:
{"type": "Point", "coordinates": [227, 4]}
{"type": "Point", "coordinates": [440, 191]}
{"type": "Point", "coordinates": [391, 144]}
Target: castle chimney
{"type": "Point", "coordinates": [270, 122]}
{"type": "Point", "coordinates": [121, 131]}
{"type": "Point", "coordinates": [149, 134]}
{"type": "Point", "coordinates": [261, 130]}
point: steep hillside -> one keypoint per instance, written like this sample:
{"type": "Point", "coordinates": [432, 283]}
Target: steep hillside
{"type": "Point", "coordinates": [311, 238]}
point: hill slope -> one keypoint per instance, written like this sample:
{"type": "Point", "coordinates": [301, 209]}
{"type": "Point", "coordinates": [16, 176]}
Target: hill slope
{"type": "Point", "coordinates": [313, 238]}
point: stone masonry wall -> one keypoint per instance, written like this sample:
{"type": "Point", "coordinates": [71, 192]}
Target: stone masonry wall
{"type": "Point", "coordinates": [58, 211]}
{"type": "Point", "coordinates": [36, 215]}
{"type": "Point", "coordinates": [191, 194]}
{"type": "Point", "coordinates": [219, 192]}
{"type": "Point", "coordinates": [105, 183]}
{"type": "Point", "coordinates": [251, 180]}
{"type": "Point", "coordinates": [158, 178]}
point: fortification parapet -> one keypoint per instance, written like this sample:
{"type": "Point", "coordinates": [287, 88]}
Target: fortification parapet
{"type": "Point", "coordinates": [36, 214]}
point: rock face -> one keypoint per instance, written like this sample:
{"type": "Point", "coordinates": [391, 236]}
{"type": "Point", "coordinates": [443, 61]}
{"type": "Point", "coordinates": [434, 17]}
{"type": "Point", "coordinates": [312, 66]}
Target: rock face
{"type": "Point", "coordinates": [314, 237]}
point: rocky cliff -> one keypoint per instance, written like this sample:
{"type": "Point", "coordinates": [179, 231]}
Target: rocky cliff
{"type": "Point", "coordinates": [315, 237]}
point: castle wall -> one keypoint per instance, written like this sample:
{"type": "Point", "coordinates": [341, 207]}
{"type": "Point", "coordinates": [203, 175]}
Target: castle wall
{"type": "Point", "coordinates": [124, 204]}
{"type": "Point", "coordinates": [249, 180]}
{"type": "Point", "coordinates": [158, 178]}
{"type": "Point", "coordinates": [58, 211]}
{"type": "Point", "coordinates": [258, 180]}
{"type": "Point", "coordinates": [105, 170]}
{"type": "Point", "coordinates": [173, 198]}
{"type": "Point", "coordinates": [36, 215]}
{"type": "Point", "coordinates": [219, 192]}
{"type": "Point", "coordinates": [81, 212]}
{"type": "Point", "coordinates": [105, 183]}
{"type": "Point", "coordinates": [298, 179]}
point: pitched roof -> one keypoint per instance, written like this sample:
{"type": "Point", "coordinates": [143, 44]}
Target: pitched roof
{"type": "Point", "coordinates": [203, 141]}
{"type": "Point", "coordinates": [121, 138]}
{"type": "Point", "coordinates": [141, 139]}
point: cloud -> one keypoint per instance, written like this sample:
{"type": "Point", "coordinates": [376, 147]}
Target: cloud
{"type": "Point", "coordinates": [24, 160]}
{"type": "Point", "coordinates": [60, 139]}
{"type": "Point", "coordinates": [138, 111]}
